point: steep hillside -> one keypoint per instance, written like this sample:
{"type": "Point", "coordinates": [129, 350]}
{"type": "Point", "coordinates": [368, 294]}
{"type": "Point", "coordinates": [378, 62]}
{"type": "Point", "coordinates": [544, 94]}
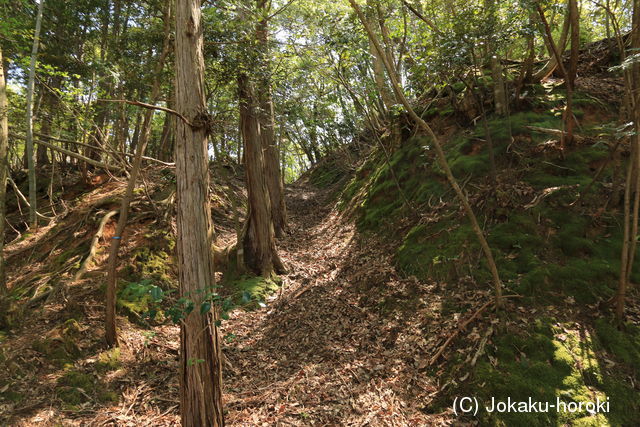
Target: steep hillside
{"type": "Point", "coordinates": [553, 220]}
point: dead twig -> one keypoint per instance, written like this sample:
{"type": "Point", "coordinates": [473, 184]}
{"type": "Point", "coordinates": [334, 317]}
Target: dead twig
{"type": "Point", "coordinates": [555, 132]}
{"type": "Point", "coordinates": [462, 326]}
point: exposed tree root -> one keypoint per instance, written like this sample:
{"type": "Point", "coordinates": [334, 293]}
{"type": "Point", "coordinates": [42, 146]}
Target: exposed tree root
{"type": "Point", "coordinates": [94, 245]}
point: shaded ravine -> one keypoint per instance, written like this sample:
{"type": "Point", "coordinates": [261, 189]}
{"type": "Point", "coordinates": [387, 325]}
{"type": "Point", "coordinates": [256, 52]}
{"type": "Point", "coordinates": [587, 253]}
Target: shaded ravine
{"type": "Point", "coordinates": [324, 350]}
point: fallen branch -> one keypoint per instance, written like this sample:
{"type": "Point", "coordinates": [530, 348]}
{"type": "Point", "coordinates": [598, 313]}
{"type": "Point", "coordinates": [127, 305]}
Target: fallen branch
{"type": "Point", "coordinates": [94, 245]}
{"type": "Point", "coordinates": [555, 132]}
{"type": "Point", "coordinates": [24, 199]}
{"type": "Point", "coordinates": [462, 326]}
{"type": "Point", "coordinates": [482, 345]}
{"type": "Point", "coordinates": [546, 193]}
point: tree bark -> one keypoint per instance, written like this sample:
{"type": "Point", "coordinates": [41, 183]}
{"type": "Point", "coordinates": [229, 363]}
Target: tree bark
{"type": "Point", "coordinates": [267, 126]}
{"type": "Point", "coordinates": [48, 109]}
{"type": "Point", "coordinates": [378, 68]}
{"type": "Point", "coordinates": [4, 149]}
{"type": "Point", "coordinates": [258, 240]}
{"type": "Point", "coordinates": [553, 62]}
{"type": "Point", "coordinates": [442, 160]}
{"type": "Point", "coordinates": [111, 333]}
{"type": "Point", "coordinates": [200, 356]}
{"type": "Point", "coordinates": [569, 120]}
{"type": "Point", "coordinates": [629, 243]}
{"type": "Point", "coordinates": [499, 92]}
{"type": "Point", "coordinates": [31, 161]}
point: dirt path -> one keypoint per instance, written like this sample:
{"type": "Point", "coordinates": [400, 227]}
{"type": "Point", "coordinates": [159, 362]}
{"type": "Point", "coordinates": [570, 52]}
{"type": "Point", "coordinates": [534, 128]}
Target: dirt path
{"type": "Point", "coordinates": [344, 342]}
{"type": "Point", "coordinates": [324, 350]}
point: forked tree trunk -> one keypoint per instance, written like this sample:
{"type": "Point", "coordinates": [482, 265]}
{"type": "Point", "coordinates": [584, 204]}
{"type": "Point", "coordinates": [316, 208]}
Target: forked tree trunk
{"type": "Point", "coordinates": [200, 356]}
{"type": "Point", "coordinates": [111, 333]}
{"type": "Point", "coordinates": [258, 240]}
{"type": "Point", "coordinates": [31, 161]}
{"type": "Point", "coordinates": [267, 126]}
{"type": "Point", "coordinates": [442, 160]}
{"type": "Point", "coordinates": [553, 63]}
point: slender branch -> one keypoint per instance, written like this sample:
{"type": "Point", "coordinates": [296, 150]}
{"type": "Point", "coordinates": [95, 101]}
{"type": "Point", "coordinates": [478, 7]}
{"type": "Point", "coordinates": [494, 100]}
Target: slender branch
{"type": "Point", "coordinates": [442, 159]}
{"type": "Point", "coordinates": [24, 199]}
{"type": "Point", "coordinates": [83, 144]}
{"type": "Point", "coordinates": [75, 155]}
{"type": "Point", "coordinates": [427, 21]}
{"type": "Point", "coordinates": [277, 12]}
{"type": "Point", "coordinates": [150, 107]}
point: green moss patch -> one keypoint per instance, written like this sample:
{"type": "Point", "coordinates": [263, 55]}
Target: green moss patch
{"type": "Point", "coordinates": [441, 252]}
{"type": "Point", "coordinates": [250, 290]}
{"type": "Point", "coordinates": [378, 190]}
{"type": "Point", "coordinates": [11, 396]}
{"type": "Point", "coordinates": [75, 388]}
{"type": "Point", "coordinates": [624, 345]}
{"type": "Point", "coordinates": [154, 262]}
{"type": "Point", "coordinates": [550, 362]}
{"type": "Point", "coordinates": [61, 351]}
{"type": "Point", "coordinates": [327, 173]}
{"type": "Point", "coordinates": [109, 360]}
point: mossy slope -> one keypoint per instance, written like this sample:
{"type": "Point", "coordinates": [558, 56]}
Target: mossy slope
{"type": "Point", "coordinates": [552, 246]}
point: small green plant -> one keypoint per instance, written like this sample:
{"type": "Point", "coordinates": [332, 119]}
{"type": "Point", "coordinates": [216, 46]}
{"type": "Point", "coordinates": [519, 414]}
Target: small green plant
{"type": "Point", "coordinates": [142, 298]}
{"type": "Point", "coordinates": [148, 336]}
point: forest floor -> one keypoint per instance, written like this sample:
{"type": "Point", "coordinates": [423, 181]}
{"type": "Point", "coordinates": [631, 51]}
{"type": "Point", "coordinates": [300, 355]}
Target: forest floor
{"type": "Point", "coordinates": [332, 346]}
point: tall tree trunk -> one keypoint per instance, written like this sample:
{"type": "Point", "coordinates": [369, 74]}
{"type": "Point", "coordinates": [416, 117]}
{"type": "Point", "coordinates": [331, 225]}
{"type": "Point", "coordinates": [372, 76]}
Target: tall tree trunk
{"type": "Point", "coordinates": [200, 356]}
{"type": "Point", "coordinates": [499, 92]}
{"type": "Point", "coordinates": [136, 133]}
{"type": "Point", "coordinates": [111, 333]}
{"type": "Point", "coordinates": [380, 78]}
{"type": "Point", "coordinates": [31, 161]}
{"type": "Point", "coordinates": [48, 111]}
{"type": "Point", "coordinates": [629, 243]}
{"type": "Point", "coordinates": [258, 241]}
{"type": "Point", "coordinates": [442, 160]}
{"type": "Point", "coordinates": [527, 66]}
{"type": "Point", "coordinates": [45, 117]}
{"type": "Point", "coordinates": [4, 149]}
{"type": "Point", "coordinates": [570, 78]}
{"type": "Point", "coordinates": [267, 125]}
{"type": "Point", "coordinates": [165, 148]}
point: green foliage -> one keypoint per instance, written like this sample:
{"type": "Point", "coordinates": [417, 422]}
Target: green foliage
{"type": "Point", "coordinates": [141, 298]}
{"type": "Point", "coordinates": [251, 291]}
